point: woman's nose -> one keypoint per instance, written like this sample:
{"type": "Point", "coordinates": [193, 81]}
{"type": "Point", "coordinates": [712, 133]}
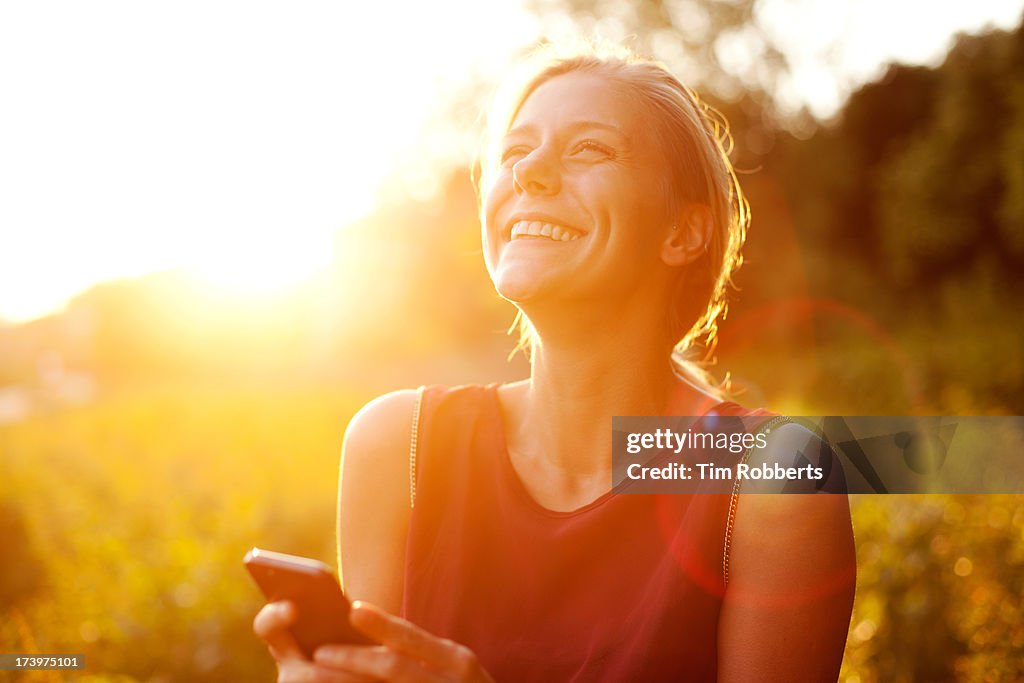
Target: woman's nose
{"type": "Point", "coordinates": [536, 173]}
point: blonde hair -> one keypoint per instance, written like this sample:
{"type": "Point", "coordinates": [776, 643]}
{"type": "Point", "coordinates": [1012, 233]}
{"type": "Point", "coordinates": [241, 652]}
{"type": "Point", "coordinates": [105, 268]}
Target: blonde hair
{"type": "Point", "coordinates": [697, 144]}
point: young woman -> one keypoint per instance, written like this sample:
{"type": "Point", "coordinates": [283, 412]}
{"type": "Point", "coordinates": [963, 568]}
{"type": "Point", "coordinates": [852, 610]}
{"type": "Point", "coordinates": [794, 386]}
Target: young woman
{"type": "Point", "coordinates": [477, 524]}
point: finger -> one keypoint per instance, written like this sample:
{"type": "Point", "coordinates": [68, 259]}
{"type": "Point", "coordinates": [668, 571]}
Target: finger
{"type": "Point", "coordinates": [271, 625]}
{"type": "Point", "coordinates": [376, 662]}
{"type": "Point", "coordinates": [304, 671]}
{"type": "Point", "coordinates": [408, 638]}
{"type": "Point", "coordinates": [404, 636]}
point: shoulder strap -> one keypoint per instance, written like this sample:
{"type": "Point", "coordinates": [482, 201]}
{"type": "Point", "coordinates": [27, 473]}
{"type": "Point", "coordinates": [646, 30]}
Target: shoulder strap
{"type": "Point", "coordinates": [735, 496]}
{"type": "Point", "coordinates": [414, 438]}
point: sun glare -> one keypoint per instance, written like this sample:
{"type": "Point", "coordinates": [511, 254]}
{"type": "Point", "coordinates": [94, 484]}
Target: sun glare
{"type": "Point", "coordinates": [124, 154]}
{"type": "Point", "coordinates": [267, 268]}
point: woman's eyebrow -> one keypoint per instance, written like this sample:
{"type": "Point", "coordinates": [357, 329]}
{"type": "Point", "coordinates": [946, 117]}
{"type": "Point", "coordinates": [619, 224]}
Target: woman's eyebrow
{"type": "Point", "coordinates": [580, 125]}
{"type": "Point", "coordinates": [574, 126]}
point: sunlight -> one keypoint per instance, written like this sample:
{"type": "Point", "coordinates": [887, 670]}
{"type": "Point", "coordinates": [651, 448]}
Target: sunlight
{"type": "Point", "coordinates": [127, 154]}
{"type": "Point", "coordinates": [262, 267]}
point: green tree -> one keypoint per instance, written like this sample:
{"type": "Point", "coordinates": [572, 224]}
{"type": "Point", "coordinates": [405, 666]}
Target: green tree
{"type": "Point", "coordinates": [952, 197]}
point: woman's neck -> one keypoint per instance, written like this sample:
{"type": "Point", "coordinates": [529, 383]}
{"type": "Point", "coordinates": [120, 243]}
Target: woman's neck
{"type": "Point", "coordinates": [562, 420]}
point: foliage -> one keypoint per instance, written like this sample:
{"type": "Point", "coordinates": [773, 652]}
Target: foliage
{"type": "Point", "coordinates": [138, 510]}
{"type": "Point", "coordinates": [939, 589]}
{"type": "Point", "coordinates": [948, 200]}
{"type": "Point", "coordinates": [894, 234]}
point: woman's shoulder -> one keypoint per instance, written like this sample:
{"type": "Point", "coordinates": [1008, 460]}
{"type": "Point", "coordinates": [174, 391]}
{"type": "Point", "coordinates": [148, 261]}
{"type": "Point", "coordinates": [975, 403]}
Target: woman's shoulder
{"type": "Point", "coordinates": [375, 451]}
{"type": "Point", "coordinates": [386, 422]}
{"type": "Point", "coordinates": [373, 498]}
{"type": "Point", "coordinates": [377, 424]}
{"type": "Point", "coordinates": [388, 436]}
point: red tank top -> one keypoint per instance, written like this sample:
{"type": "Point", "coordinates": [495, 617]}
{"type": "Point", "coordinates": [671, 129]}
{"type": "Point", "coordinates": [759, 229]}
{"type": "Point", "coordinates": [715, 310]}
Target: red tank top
{"type": "Point", "coordinates": [626, 588]}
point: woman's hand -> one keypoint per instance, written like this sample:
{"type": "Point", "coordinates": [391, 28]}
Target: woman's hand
{"type": "Point", "coordinates": [271, 625]}
{"type": "Point", "coordinates": [406, 652]}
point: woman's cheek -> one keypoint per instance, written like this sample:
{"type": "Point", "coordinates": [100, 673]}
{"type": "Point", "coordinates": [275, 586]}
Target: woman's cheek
{"type": "Point", "coordinates": [490, 249]}
{"type": "Point", "coordinates": [490, 228]}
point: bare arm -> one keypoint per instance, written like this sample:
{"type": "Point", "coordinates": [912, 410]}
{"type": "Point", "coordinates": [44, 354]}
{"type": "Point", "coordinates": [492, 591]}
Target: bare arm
{"type": "Point", "coordinates": [373, 500]}
{"type": "Point", "coordinates": [792, 574]}
{"type": "Point", "coordinates": [373, 523]}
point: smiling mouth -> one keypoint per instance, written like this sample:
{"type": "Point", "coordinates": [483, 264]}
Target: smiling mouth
{"type": "Point", "coordinates": [539, 230]}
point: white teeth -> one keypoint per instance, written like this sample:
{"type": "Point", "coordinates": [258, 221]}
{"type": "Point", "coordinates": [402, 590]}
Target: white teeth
{"type": "Point", "coordinates": [556, 233]}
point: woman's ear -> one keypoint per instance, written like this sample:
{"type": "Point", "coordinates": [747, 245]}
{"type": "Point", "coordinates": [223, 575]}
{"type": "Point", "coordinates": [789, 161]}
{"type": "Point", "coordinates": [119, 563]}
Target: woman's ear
{"type": "Point", "coordinates": [689, 237]}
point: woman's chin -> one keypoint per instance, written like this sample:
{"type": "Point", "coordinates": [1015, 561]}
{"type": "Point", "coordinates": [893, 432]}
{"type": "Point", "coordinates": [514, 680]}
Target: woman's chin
{"type": "Point", "coordinates": [517, 293]}
{"type": "Point", "coordinates": [520, 287]}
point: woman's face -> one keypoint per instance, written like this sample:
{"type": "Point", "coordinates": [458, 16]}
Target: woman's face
{"type": "Point", "coordinates": [576, 208]}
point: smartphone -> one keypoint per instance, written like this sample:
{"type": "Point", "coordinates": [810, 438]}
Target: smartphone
{"type": "Point", "coordinates": [312, 587]}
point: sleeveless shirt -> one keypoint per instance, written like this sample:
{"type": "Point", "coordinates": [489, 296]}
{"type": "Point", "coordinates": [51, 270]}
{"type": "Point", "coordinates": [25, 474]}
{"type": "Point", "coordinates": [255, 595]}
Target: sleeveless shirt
{"type": "Point", "coordinates": [625, 588]}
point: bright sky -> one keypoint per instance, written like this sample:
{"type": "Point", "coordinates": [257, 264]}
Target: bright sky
{"type": "Point", "coordinates": [237, 137]}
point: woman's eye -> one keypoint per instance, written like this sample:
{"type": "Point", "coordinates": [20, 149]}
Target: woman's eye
{"type": "Point", "coordinates": [589, 149]}
{"type": "Point", "coordinates": [513, 154]}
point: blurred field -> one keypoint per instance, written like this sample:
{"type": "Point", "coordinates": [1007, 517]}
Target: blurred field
{"type": "Point", "coordinates": [939, 589]}
{"type": "Point", "coordinates": [126, 521]}
{"type": "Point", "coordinates": [129, 519]}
